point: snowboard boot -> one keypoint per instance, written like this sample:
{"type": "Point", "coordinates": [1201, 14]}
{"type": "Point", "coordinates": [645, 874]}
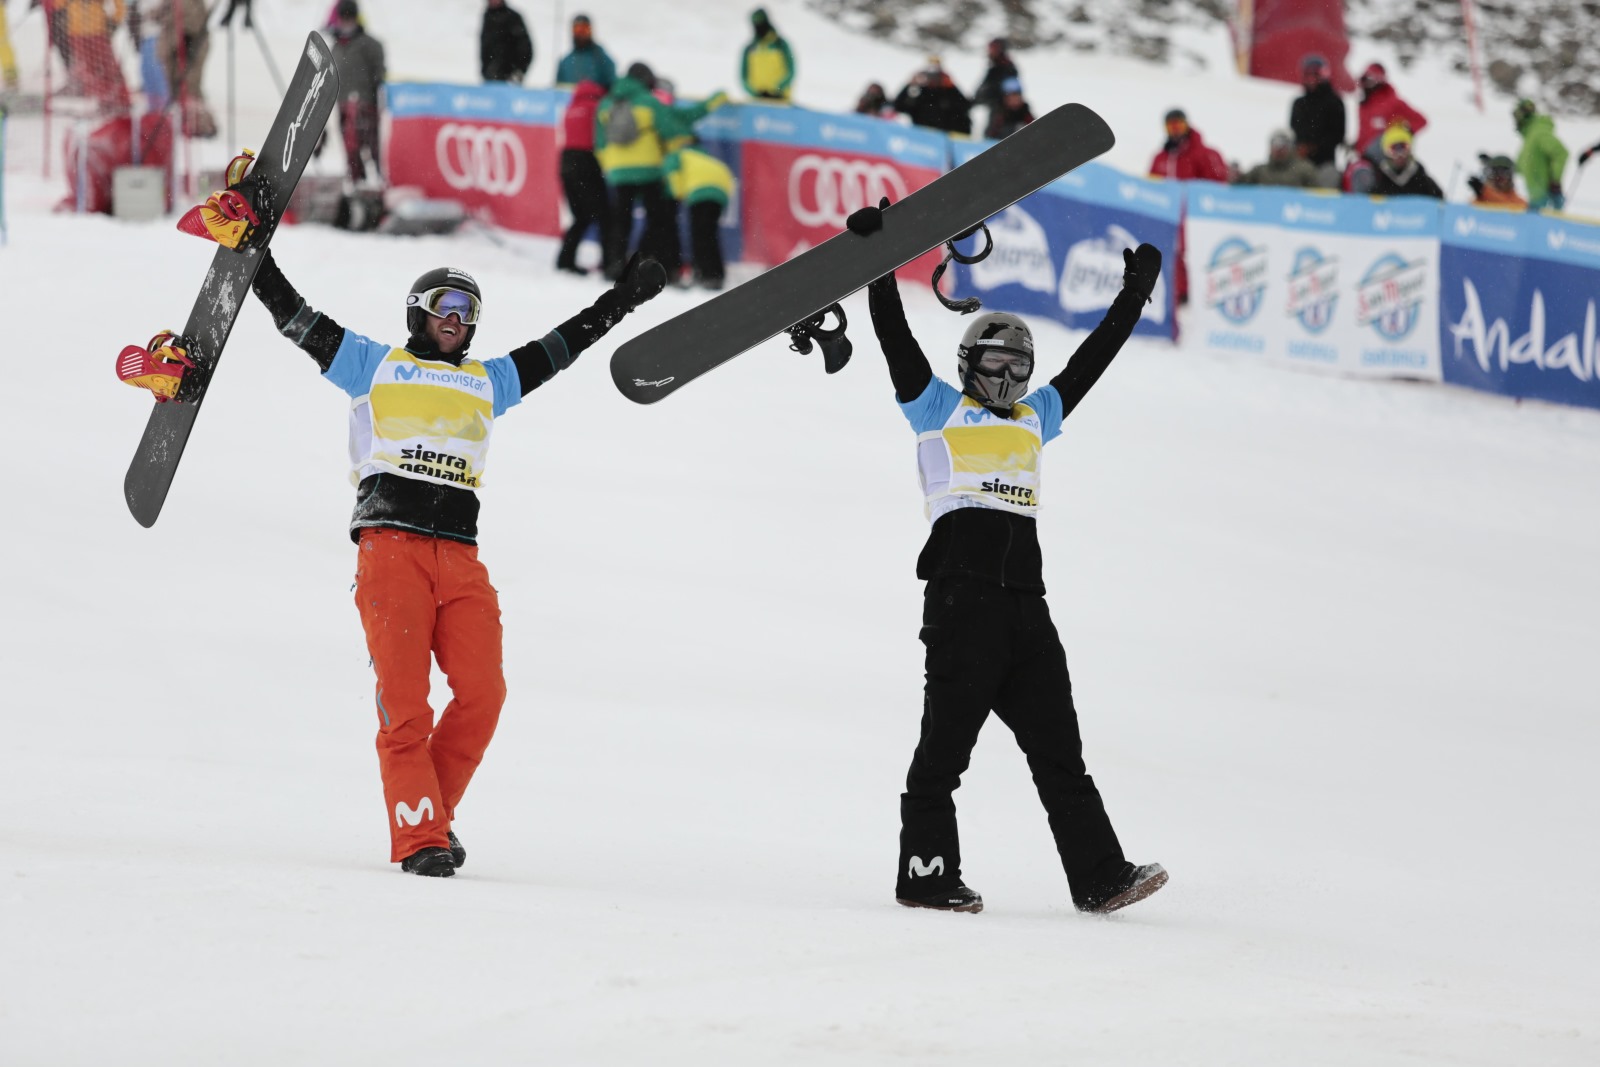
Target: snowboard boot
{"type": "Point", "coordinates": [431, 862]}
{"type": "Point", "coordinates": [1129, 886]}
{"type": "Point", "coordinates": [958, 899]}
{"type": "Point", "coordinates": [458, 851]}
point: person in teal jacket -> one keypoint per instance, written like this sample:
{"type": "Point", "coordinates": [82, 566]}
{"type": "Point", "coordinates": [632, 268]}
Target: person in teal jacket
{"type": "Point", "coordinates": [634, 132]}
{"type": "Point", "coordinates": [767, 67]}
{"type": "Point", "coordinates": [587, 62]}
{"type": "Point", "coordinates": [1542, 159]}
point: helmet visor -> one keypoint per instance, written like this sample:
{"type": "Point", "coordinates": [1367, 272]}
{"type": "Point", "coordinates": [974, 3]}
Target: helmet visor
{"type": "Point", "coordinates": [446, 301]}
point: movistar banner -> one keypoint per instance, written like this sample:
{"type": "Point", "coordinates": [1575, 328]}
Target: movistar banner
{"type": "Point", "coordinates": [1518, 296]}
{"type": "Point", "coordinates": [1345, 283]}
{"type": "Point", "coordinates": [1058, 253]}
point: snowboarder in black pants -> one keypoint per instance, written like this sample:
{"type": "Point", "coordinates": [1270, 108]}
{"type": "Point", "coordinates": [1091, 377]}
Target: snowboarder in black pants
{"type": "Point", "coordinates": [990, 644]}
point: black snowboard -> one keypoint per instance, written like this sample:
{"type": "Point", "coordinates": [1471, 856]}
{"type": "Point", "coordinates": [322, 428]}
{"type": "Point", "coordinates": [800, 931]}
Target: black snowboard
{"type": "Point", "coordinates": [669, 356]}
{"type": "Point", "coordinates": [300, 121]}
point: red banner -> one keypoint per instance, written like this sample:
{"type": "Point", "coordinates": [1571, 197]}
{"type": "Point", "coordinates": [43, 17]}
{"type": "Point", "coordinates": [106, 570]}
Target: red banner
{"type": "Point", "coordinates": [505, 170]}
{"type": "Point", "coordinates": [794, 197]}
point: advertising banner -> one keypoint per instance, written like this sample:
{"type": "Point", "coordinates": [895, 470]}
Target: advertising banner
{"type": "Point", "coordinates": [1058, 253]}
{"type": "Point", "coordinates": [1518, 295]}
{"type": "Point", "coordinates": [1346, 283]}
{"type": "Point", "coordinates": [490, 148]}
{"type": "Point", "coordinates": [802, 173]}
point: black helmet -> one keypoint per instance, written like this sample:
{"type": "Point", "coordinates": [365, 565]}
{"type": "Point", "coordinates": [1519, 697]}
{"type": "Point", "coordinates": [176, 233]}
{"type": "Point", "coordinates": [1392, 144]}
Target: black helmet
{"type": "Point", "coordinates": [1007, 343]}
{"type": "Point", "coordinates": [417, 303]}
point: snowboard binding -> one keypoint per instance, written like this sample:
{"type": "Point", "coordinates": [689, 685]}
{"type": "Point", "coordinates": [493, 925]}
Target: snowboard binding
{"type": "Point", "coordinates": [836, 347]}
{"type": "Point", "coordinates": [158, 366]}
{"type": "Point", "coordinates": [969, 304]}
{"type": "Point", "coordinates": [228, 217]}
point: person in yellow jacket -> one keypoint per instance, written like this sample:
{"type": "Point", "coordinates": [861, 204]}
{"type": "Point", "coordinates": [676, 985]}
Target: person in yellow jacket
{"type": "Point", "coordinates": [767, 68]}
{"type": "Point", "coordinates": [8, 58]}
{"type": "Point", "coordinates": [705, 185]}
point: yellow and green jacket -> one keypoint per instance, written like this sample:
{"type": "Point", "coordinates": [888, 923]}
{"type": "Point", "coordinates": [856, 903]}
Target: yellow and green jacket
{"type": "Point", "coordinates": [663, 128]}
{"type": "Point", "coordinates": [695, 177]}
{"type": "Point", "coordinates": [767, 69]}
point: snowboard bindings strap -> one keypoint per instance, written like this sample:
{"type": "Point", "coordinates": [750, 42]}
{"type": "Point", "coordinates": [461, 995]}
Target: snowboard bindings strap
{"type": "Point", "coordinates": [158, 367]}
{"type": "Point", "coordinates": [969, 304]}
{"type": "Point", "coordinates": [227, 217]}
{"type": "Point", "coordinates": [836, 347]}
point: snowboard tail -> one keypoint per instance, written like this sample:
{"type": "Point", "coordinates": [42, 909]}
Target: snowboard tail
{"type": "Point", "coordinates": [667, 357]}
{"type": "Point", "coordinates": [300, 121]}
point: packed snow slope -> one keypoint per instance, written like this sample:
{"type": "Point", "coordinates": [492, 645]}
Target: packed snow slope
{"type": "Point", "coordinates": [1333, 647]}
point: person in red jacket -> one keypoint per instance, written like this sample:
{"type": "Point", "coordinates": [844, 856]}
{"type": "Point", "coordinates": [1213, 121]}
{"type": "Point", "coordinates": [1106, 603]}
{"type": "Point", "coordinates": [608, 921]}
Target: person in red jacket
{"type": "Point", "coordinates": [1186, 155]}
{"type": "Point", "coordinates": [1381, 107]}
{"type": "Point", "coordinates": [581, 178]}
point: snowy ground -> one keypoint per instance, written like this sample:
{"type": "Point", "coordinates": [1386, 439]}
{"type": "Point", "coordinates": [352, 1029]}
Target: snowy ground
{"type": "Point", "coordinates": [1333, 646]}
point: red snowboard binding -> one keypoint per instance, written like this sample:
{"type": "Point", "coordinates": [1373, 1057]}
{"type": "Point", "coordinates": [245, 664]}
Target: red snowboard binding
{"type": "Point", "coordinates": [227, 217]}
{"type": "Point", "coordinates": [158, 367]}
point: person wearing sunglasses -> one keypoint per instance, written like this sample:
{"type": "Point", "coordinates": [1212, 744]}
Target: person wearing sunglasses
{"type": "Point", "coordinates": [420, 423]}
{"type": "Point", "coordinates": [989, 641]}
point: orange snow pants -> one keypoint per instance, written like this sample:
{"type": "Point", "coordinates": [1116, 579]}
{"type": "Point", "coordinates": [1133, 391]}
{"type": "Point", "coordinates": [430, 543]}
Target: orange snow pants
{"type": "Point", "coordinates": [418, 596]}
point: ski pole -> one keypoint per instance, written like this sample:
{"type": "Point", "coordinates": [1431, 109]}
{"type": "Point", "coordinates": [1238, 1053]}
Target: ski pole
{"type": "Point", "coordinates": [272, 67]}
{"type": "Point", "coordinates": [2, 175]}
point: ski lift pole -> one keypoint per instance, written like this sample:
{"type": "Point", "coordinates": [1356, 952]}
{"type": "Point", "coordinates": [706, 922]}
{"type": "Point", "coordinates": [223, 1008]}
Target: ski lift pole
{"type": "Point", "coordinates": [266, 54]}
{"type": "Point", "coordinates": [81, 132]}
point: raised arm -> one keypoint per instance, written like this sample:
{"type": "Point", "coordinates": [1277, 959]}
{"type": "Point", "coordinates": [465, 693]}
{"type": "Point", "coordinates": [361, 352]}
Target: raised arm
{"type": "Point", "coordinates": [316, 334]}
{"type": "Point", "coordinates": [908, 367]}
{"type": "Point", "coordinates": [539, 361]}
{"type": "Point", "coordinates": [1094, 355]}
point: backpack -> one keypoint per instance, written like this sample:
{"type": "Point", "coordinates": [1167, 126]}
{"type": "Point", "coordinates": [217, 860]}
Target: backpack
{"type": "Point", "coordinates": [622, 126]}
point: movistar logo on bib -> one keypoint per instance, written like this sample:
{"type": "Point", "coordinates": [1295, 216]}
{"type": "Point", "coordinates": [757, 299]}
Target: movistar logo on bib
{"type": "Point", "coordinates": [411, 372]}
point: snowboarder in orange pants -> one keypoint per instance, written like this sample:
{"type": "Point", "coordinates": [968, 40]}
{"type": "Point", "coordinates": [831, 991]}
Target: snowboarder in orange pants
{"type": "Point", "coordinates": [420, 424]}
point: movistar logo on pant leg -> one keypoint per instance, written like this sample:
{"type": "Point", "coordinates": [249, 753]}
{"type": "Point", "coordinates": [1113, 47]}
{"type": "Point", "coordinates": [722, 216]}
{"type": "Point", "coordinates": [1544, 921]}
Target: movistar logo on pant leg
{"type": "Point", "coordinates": [916, 867]}
{"type": "Point", "coordinates": [406, 815]}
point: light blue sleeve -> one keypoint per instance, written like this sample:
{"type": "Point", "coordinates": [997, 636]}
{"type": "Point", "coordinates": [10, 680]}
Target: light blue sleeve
{"type": "Point", "coordinates": [502, 372]}
{"type": "Point", "coordinates": [931, 410]}
{"type": "Point", "coordinates": [355, 363]}
{"type": "Point", "coordinates": [1046, 403]}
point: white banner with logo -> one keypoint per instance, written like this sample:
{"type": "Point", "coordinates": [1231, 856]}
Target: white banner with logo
{"type": "Point", "coordinates": [1345, 283]}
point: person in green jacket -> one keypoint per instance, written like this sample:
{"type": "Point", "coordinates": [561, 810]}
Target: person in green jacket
{"type": "Point", "coordinates": [634, 132]}
{"type": "Point", "coordinates": [1542, 159]}
{"type": "Point", "coordinates": [705, 185]}
{"type": "Point", "coordinates": [767, 68]}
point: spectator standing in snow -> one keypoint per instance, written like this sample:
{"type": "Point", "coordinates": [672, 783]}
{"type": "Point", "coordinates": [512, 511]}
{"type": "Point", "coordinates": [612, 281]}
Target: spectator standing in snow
{"type": "Point", "coordinates": [1381, 108]}
{"type": "Point", "coordinates": [1317, 119]}
{"type": "Point", "coordinates": [1010, 114]}
{"type": "Point", "coordinates": [235, 6]}
{"type": "Point", "coordinates": [704, 184]}
{"type": "Point", "coordinates": [582, 180]}
{"type": "Point", "coordinates": [92, 67]}
{"type": "Point", "coordinates": [1284, 166]}
{"type": "Point", "coordinates": [767, 66]}
{"type": "Point", "coordinates": [1001, 69]}
{"type": "Point", "coordinates": [1185, 155]}
{"type": "Point", "coordinates": [358, 57]}
{"type": "Point", "coordinates": [875, 102]}
{"type": "Point", "coordinates": [184, 45]}
{"type": "Point", "coordinates": [1398, 173]}
{"type": "Point", "coordinates": [1543, 158]}
{"type": "Point", "coordinates": [932, 99]}
{"type": "Point", "coordinates": [505, 51]}
{"type": "Point", "coordinates": [1497, 186]}
{"type": "Point", "coordinates": [587, 61]}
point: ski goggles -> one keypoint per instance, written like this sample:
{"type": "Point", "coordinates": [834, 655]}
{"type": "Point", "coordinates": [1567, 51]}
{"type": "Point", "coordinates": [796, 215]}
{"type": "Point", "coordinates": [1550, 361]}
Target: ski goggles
{"type": "Point", "coordinates": [1018, 366]}
{"type": "Point", "coordinates": [445, 301]}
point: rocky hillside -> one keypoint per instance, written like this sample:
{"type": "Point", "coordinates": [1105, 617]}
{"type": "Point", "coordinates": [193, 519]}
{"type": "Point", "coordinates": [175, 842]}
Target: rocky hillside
{"type": "Point", "coordinates": [1534, 48]}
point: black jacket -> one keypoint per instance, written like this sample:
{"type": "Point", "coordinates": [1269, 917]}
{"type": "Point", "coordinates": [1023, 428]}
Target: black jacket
{"type": "Point", "coordinates": [997, 546]}
{"type": "Point", "coordinates": [1317, 119]}
{"type": "Point", "coordinates": [988, 93]}
{"type": "Point", "coordinates": [1412, 180]}
{"type": "Point", "coordinates": [940, 106]}
{"type": "Point", "coordinates": [505, 51]}
{"type": "Point", "coordinates": [412, 504]}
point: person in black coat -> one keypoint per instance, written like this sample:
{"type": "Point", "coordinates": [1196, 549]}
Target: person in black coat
{"type": "Point", "coordinates": [1397, 172]}
{"type": "Point", "coordinates": [932, 99]}
{"type": "Point", "coordinates": [1317, 119]}
{"type": "Point", "coordinates": [1001, 70]}
{"type": "Point", "coordinates": [1010, 114]}
{"type": "Point", "coordinates": [505, 50]}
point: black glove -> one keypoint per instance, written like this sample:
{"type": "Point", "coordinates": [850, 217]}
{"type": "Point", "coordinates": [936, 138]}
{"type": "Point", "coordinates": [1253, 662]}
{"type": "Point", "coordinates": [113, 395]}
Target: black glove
{"type": "Point", "coordinates": [1477, 186]}
{"type": "Point", "coordinates": [1143, 270]}
{"type": "Point", "coordinates": [1583, 157]}
{"type": "Point", "coordinates": [868, 220]}
{"type": "Point", "coordinates": [640, 280]}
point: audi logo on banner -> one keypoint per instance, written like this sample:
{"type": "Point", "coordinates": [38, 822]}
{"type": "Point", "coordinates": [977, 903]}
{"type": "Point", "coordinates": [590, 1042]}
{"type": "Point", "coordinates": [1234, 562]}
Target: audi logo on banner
{"type": "Point", "coordinates": [490, 159]}
{"type": "Point", "coordinates": [824, 190]}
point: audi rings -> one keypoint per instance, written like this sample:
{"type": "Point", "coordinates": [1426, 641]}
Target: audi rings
{"type": "Point", "coordinates": [824, 190]}
{"type": "Point", "coordinates": [489, 159]}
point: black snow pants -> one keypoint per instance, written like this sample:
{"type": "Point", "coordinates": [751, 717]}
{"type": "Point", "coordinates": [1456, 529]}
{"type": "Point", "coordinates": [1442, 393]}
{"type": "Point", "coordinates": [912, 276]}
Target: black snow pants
{"type": "Point", "coordinates": [705, 240]}
{"type": "Point", "coordinates": [992, 648]}
{"type": "Point", "coordinates": [585, 187]}
{"type": "Point", "coordinates": [660, 237]}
